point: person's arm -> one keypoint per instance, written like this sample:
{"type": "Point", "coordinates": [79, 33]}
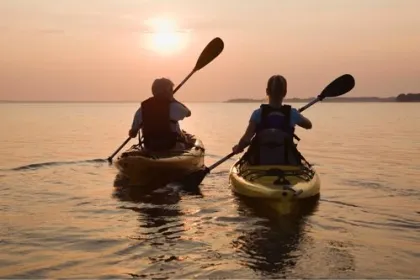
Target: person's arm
{"type": "Point", "coordinates": [187, 112]}
{"type": "Point", "coordinates": [136, 125]}
{"type": "Point", "coordinates": [249, 132]}
{"type": "Point", "coordinates": [246, 138]}
{"type": "Point", "coordinates": [179, 111]}
{"type": "Point", "coordinates": [305, 123]}
{"type": "Point", "coordinates": [300, 120]}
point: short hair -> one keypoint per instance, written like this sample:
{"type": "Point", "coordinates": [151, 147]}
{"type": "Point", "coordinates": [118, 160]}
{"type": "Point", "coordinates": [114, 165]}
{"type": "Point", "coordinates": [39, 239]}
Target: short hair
{"type": "Point", "coordinates": [160, 85]}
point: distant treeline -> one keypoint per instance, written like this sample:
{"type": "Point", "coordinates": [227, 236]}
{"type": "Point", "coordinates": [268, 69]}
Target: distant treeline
{"type": "Point", "coordinates": [410, 97]}
{"type": "Point", "coordinates": [403, 97]}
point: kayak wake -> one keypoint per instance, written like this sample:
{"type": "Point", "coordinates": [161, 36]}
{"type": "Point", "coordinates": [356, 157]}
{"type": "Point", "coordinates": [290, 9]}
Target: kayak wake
{"type": "Point", "coordinates": [219, 156]}
{"type": "Point", "coordinates": [36, 166]}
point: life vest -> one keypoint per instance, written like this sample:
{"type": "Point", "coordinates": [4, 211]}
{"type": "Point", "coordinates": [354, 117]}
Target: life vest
{"type": "Point", "coordinates": [156, 129]}
{"type": "Point", "coordinates": [273, 142]}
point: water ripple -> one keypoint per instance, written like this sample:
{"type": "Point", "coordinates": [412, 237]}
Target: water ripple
{"type": "Point", "coordinates": [70, 219]}
{"type": "Point", "coordinates": [35, 166]}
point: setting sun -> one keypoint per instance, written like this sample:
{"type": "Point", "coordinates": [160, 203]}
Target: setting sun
{"type": "Point", "coordinates": [164, 36]}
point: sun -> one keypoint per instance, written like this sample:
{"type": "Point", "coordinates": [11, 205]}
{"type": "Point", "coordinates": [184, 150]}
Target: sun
{"type": "Point", "coordinates": [164, 36]}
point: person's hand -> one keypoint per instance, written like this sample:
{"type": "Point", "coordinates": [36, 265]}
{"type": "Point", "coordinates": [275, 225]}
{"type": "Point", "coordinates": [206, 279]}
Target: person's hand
{"type": "Point", "coordinates": [132, 133]}
{"type": "Point", "coordinates": [236, 149]}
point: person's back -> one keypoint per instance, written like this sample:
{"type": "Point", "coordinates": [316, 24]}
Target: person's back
{"type": "Point", "coordinates": [156, 129]}
{"type": "Point", "coordinates": [158, 118]}
{"type": "Point", "coordinates": [272, 128]}
{"type": "Point", "coordinates": [273, 141]}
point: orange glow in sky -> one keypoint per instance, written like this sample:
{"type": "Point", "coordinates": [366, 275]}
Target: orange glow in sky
{"type": "Point", "coordinates": [114, 49]}
{"type": "Point", "coordinates": [164, 37]}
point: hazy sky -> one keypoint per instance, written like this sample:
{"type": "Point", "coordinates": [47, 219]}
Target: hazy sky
{"type": "Point", "coordinates": [102, 49]}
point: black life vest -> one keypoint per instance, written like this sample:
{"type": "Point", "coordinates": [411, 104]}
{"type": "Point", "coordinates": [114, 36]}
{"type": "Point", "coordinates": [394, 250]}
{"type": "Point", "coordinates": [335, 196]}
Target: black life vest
{"type": "Point", "coordinates": [156, 129]}
{"type": "Point", "coordinates": [273, 142]}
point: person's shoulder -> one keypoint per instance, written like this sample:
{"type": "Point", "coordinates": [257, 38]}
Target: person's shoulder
{"type": "Point", "coordinates": [179, 111]}
{"type": "Point", "coordinates": [177, 105]}
{"type": "Point", "coordinates": [138, 111]}
{"type": "Point", "coordinates": [256, 111]}
{"type": "Point", "coordinates": [147, 100]}
{"type": "Point", "coordinates": [256, 115]}
{"type": "Point", "coordinates": [294, 110]}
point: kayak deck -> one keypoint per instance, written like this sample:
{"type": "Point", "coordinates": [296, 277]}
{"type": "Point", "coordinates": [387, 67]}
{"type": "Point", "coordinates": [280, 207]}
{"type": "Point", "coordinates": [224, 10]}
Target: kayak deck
{"type": "Point", "coordinates": [279, 182]}
{"type": "Point", "coordinates": [143, 167]}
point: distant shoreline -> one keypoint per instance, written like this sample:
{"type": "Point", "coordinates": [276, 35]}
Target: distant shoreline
{"type": "Point", "coordinates": [410, 97]}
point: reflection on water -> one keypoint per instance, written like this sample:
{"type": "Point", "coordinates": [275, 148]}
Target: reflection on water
{"type": "Point", "coordinates": [161, 229]}
{"type": "Point", "coordinates": [160, 222]}
{"type": "Point", "coordinates": [157, 208]}
{"type": "Point", "coordinates": [283, 245]}
{"type": "Point", "coordinates": [62, 218]}
{"type": "Point", "coordinates": [269, 245]}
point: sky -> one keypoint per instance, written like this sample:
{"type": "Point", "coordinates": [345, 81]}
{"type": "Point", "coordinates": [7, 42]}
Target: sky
{"type": "Point", "coordinates": [112, 50]}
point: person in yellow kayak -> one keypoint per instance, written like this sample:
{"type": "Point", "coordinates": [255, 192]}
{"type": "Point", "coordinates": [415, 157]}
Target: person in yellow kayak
{"type": "Point", "coordinates": [158, 118]}
{"type": "Point", "coordinates": [271, 129]}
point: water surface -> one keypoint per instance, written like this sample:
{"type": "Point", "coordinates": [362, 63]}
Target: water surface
{"type": "Point", "coordinates": [62, 215]}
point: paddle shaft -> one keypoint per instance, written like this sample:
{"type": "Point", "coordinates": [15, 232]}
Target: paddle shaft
{"type": "Point", "coordinates": [309, 104]}
{"type": "Point", "coordinates": [219, 162]}
{"type": "Point", "coordinates": [122, 145]}
{"type": "Point", "coordinates": [183, 82]}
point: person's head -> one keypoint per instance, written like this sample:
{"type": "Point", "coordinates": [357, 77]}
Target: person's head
{"type": "Point", "coordinates": [163, 88]}
{"type": "Point", "coordinates": [276, 88]}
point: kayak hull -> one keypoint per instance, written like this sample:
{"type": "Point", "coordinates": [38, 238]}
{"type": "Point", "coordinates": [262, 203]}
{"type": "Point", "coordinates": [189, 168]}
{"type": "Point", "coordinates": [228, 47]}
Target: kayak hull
{"type": "Point", "coordinates": [144, 168]}
{"type": "Point", "coordinates": [279, 185]}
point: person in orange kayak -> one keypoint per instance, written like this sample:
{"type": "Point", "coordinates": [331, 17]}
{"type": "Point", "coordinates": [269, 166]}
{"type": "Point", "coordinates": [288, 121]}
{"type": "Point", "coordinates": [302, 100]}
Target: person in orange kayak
{"type": "Point", "coordinates": [271, 129]}
{"type": "Point", "coordinates": [158, 118]}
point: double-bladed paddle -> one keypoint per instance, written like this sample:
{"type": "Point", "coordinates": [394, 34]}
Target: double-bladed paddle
{"type": "Point", "coordinates": [209, 53]}
{"type": "Point", "coordinates": [339, 86]}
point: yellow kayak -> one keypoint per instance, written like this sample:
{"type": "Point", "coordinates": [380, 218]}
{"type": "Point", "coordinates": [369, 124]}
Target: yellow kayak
{"type": "Point", "coordinates": [145, 168]}
{"type": "Point", "coordinates": [281, 185]}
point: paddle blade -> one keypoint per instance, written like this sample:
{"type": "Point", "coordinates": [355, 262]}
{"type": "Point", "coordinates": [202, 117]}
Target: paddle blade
{"type": "Point", "coordinates": [193, 180]}
{"type": "Point", "coordinates": [210, 52]}
{"type": "Point", "coordinates": [339, 86]}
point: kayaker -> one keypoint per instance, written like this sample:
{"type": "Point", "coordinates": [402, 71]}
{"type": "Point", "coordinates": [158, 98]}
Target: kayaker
{"type": "Point", "coordinates": [271, 128]}
{"type": "Point", "coordinates": [158, 118]}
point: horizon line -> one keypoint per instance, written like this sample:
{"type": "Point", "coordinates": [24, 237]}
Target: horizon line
{"type": "Point", "coordinates": [139, 101]}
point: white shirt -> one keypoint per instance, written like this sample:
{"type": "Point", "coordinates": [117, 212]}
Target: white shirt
{"type": "Point", "coordinates": [177, 113]}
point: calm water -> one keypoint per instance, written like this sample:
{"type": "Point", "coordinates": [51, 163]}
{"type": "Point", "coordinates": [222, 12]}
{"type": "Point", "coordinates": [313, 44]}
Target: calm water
{"type": "Point", "coordinates": [61, 215]}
